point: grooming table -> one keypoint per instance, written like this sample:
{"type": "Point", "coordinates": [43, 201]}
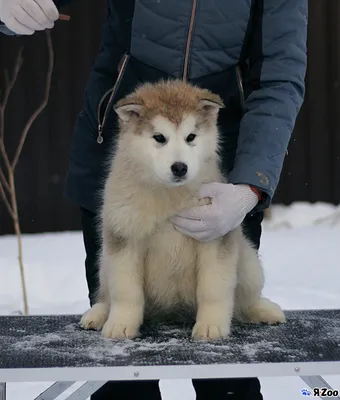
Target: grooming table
{"type": "Point", "coordinates": [55, 348]}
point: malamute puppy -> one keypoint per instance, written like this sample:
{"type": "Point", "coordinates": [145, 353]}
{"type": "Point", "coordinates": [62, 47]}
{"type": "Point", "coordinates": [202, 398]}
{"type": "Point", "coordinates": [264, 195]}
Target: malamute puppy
{"type": "Point", "coordinates": [166, 149]}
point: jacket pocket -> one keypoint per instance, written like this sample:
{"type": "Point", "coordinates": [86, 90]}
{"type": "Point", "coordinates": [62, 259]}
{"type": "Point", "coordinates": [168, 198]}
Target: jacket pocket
{"type": "Point", "coordinates": [111, 95]}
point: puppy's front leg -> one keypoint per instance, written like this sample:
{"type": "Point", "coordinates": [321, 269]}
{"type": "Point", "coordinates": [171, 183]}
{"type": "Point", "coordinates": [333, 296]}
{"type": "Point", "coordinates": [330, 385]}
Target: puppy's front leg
{"type": "Point", "coordinates": [216, 282]}
{"type": "Point", "coordinates": [126, 294]}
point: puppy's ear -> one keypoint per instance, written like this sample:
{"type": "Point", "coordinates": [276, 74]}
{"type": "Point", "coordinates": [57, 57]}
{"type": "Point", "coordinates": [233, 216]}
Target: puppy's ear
{"type": "Point", "coordinates": [127, 109]}
{"type": "Point", "coordinates": [211, 105]}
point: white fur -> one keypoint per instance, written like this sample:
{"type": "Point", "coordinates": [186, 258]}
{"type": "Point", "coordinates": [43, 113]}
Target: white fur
{"type": "Point", "coordinates": [147, 266]}
{"type": "Point", "coordinates": [153, 160]}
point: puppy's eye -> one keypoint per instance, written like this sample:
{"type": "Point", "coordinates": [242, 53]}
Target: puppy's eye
{"type": "Point", "coordinates": [160, 138]}
{"type": "Point", "coordinates": [191, 137]}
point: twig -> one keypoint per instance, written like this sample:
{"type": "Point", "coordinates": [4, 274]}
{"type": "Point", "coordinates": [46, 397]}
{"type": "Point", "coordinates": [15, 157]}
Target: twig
{"type": "Point", "coordinates": [10, 82]}
{"type": "Point", "coordinates": [8, 206]}
{"type": "Point", "coordinates": [64, 17]}
{"type": "Point", "coordinates": [42, 105]}
{"type": "Point", "coordinates": [8, 184]}
{"type": "Point", "coordinates": [17, 231]}
{"type": "Point", "coordinates": [3, 152]}
{"type": "Point", "coordinates": [4, 181]}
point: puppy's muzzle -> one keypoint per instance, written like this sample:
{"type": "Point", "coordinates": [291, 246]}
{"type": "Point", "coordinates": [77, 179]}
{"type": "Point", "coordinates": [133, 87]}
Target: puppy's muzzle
{"type": "Point", "coordinates": [179, 169]}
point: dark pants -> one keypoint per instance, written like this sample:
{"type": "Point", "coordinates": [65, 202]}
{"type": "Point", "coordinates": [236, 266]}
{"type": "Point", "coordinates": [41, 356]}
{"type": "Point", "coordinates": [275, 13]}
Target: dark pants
{"type": "Point", "coordinates": [206, 389]}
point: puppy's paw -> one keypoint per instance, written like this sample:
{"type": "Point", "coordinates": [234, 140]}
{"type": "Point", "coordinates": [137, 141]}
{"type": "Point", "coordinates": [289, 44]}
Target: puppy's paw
{"type": "Point", "coordinates": [95, 317]}
{"type": "Point", "coordinates": [120, 331]}
{"type": "Point", "coordinates": [266, 311]}
{"type": "Point", "coordinates": [208, 331]}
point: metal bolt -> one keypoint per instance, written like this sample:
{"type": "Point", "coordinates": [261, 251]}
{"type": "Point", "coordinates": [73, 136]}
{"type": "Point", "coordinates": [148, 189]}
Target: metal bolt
{"type": "Point", "coordinates": [136, 374]}
{"type": "Point", "coordinates": [297, 369]}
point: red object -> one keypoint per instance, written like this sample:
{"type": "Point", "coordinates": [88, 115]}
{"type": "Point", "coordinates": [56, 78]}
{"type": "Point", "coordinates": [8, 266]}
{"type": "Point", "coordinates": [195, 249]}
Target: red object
{"type": "Point", "coordinates": [257, 192]}
{"type": "Point", "coordinates": [63, 17]}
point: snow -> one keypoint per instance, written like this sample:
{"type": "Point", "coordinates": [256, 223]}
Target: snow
{"type": "Point", "coordinates": [300, 254]}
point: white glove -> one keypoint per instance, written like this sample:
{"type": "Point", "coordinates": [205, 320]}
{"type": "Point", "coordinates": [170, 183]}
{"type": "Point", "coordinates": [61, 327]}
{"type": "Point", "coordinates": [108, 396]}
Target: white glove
{"type": "Point", "coordinates": [229, 206]}
{"type": "Point", "coordinates": [24, 17]}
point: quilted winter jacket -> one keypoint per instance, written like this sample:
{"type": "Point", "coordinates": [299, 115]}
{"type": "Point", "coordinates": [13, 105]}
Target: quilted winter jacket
{"type": "Point", "coordinates": [251, 52]}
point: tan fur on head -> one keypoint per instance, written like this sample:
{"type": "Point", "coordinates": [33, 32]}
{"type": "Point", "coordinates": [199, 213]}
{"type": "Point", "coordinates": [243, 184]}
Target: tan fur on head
{"type": "Point", "coordinates": [171, 99]}
{"type": "Point", "coordinates": [175, 110]}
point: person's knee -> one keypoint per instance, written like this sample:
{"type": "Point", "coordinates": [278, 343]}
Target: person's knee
{"type": "Point", "coordinates": [252, 228]}
{"type": "Point", "coordinates": [221, 389]}
{"type": "Point", "coordinates": [128, 390]}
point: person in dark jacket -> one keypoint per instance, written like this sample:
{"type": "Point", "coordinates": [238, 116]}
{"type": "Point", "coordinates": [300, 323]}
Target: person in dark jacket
{"type": "Point", "coordinates": [250, 52]}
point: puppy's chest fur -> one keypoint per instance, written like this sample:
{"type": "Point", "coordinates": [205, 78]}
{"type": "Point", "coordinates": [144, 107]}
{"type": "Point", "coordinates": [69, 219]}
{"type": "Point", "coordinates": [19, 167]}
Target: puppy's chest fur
{"type": "Point", "coordinates": [170, 270]}
{"type": "Point", "coordinates": [170, 257]}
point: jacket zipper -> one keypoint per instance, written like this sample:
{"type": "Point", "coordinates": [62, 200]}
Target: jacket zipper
{"type": "Point", "coordinates": [189, 38]}
{"type": "Point", "coordinates": [101, 123]}
{"type": "Point", "coordinates": [240, 84]}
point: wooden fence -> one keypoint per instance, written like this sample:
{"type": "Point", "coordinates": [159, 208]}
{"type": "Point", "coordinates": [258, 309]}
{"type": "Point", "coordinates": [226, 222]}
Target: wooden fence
{"type": "Point", "coordinates": [312, 168]}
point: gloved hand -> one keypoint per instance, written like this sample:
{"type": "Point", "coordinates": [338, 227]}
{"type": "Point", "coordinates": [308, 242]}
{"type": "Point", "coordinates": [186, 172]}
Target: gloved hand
{"type": "Point", "coordinates": [229, 206]}
{"type": "Point", "coordinates": [24, 17]}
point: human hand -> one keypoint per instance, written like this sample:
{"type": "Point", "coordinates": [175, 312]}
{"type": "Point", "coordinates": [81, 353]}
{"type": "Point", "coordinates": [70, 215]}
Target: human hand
{"type": "Point", "coordinates": [24, 17]}
{"type": "Point", "coordinates": [229, 206]}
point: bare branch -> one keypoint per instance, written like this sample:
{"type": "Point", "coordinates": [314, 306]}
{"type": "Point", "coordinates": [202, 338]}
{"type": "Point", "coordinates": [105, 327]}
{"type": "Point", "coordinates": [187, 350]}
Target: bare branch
{"type": "Point", "coordinates": [42, 105]}
{"type": "Point", "coordinates": [3, 153]}
{"type": "Point", "coordinates": [4, 181]}
{"type": "Point", "coordinates": [17, 230]}
{"type": "Point", "coordinates": [9, 208]}
{"type": "Point", "coordinates": [11, 81]}
{"type": "Point", "coordinates": [7, 182]}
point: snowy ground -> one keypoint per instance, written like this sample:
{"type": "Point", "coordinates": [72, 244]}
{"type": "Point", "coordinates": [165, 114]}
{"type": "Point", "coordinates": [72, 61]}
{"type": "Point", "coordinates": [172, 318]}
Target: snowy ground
{"type": "Point", "coordinates": [300, 253]}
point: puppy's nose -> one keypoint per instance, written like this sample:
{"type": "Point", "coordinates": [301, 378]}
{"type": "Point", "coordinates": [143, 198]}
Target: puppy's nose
{"type": "Point", "coordinates": [179, 169]}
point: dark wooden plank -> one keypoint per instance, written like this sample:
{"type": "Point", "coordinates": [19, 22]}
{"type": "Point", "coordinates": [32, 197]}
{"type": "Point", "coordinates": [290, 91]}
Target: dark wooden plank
{"type": "Point", "coordinates": [57, 341]}
{"type": "Point", "coordinates": [312, 168]}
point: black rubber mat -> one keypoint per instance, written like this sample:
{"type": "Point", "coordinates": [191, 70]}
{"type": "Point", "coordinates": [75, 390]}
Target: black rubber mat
{"type": "Point", "coordinates": [58, 341]}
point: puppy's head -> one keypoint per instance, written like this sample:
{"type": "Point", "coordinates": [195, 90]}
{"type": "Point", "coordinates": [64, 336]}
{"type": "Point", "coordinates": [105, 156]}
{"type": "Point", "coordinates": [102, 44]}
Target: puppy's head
{"type": "Point", "coordinates": [169, 131]}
